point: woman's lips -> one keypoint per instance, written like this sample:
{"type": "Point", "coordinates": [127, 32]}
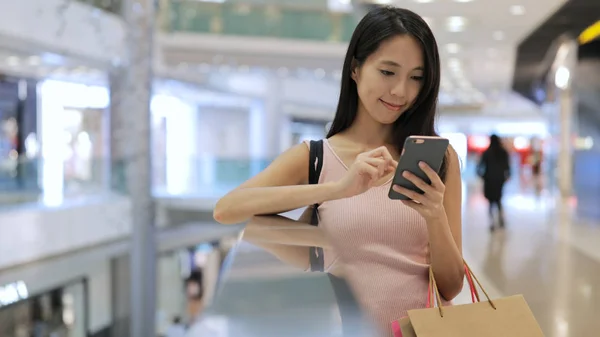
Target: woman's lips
{"type": "Point", "coordinates": [390, 106]}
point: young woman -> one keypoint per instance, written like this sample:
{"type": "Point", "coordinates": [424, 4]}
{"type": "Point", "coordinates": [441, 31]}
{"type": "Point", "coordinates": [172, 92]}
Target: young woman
{"type": "Point", "coordinates": [494, 169]}
{"type": "Point", "coordinates": [389, 91]}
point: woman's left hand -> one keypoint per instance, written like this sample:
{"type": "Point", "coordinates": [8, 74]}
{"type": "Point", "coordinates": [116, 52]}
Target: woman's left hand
{"type": "Point", "coordinates": [429, 204]}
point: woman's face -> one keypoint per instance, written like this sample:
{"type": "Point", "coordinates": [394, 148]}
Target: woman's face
{"type": "Point", "coordinates": [390, 79]}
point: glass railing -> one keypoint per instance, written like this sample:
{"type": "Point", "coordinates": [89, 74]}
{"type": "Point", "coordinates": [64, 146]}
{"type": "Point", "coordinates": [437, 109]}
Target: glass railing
{"type": "Point", "coordinates": [50, 180]}
{"type": "Point", "coordinates": [281, 19]}
{"type": "Point", "coordinates": [53, 180]}
{"type": "Point", "coordinates": [204, 177]}
{"type": "Point", "coordinates": [257, 20]}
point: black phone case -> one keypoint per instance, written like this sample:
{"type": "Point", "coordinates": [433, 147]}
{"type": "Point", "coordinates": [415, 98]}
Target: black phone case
{"type": "Point", "coordinates": [432, 151]}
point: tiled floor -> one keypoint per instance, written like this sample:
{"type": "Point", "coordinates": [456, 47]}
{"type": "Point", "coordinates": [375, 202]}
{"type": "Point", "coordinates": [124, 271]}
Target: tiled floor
{"type": "Point", "coordinates": [544, 255]}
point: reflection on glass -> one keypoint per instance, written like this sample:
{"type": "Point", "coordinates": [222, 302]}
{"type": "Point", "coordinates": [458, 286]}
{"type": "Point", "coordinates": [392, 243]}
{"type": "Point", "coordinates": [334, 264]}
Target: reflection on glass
{"type": "Point", "coordinates": [268, 291]}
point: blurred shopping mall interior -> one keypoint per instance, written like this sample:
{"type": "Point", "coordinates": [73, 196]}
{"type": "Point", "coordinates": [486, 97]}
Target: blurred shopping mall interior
{"type": "Point", "coordinates": [122, 122]}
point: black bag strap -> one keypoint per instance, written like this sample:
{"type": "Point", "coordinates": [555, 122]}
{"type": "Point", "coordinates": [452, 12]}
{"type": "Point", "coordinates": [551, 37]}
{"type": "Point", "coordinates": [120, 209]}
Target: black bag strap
{"type": "Point", "coordinates": [316, 161]}
{"type": "Point", "coordinates": [315, 165]}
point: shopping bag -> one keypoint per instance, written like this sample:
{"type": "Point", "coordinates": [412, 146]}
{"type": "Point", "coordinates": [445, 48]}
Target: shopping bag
{"type": "Point", "coordinates": [508, 316]}
{"type": "Point", "coordinates": [403, 327]}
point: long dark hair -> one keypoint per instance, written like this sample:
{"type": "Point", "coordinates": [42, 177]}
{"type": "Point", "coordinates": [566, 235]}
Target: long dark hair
{"type": "Point", "coordinates": [379, 25]}
{"type": "Point", "coordinates": [496, 148]}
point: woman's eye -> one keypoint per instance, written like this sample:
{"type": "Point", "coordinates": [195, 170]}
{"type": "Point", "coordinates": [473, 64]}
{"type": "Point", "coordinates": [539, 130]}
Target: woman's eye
{"type": "Point", "coordinates": [417, 78]}
{"type": "Point", "coordinates": [386, 73]}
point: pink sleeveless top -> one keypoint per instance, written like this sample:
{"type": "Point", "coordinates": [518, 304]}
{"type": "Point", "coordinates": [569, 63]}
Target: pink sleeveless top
{"type": "Point", "coordinates": [383, 244]}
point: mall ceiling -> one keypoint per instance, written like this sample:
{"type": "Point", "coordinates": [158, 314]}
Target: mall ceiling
{"type": "Point", "coordinates": [570, 20]}
{"type": "Point", "coordinates": [477, 40]}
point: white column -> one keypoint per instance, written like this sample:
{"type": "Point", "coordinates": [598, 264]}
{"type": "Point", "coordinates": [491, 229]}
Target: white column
{"type": "Point", "coordinates": [131, 90]}
{"type": "Point", "coordinates": [52, 150]}
{"type": "Point", "coordinates": [273, 119]}
{"type": "Point", "coordinates": [565, 152]}
{"type": "Point", "coordinates": [265, 125]}
{"type": "Point", "coordinates": [181, 143]}
{"type": "Point", "coordinates": [564, 68]}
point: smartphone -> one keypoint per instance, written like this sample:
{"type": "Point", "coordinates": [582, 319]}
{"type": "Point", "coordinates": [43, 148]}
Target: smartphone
{"type": "Point", "coordinates": [428, 149]}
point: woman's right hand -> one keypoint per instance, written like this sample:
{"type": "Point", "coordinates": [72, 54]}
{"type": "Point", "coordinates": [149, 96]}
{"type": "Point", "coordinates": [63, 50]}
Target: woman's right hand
{"type": "Point", "coordinates": [368, 168]}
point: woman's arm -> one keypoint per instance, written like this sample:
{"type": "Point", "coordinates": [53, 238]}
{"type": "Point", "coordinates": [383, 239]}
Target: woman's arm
{"type": "Point", "coordinates": [277, 229]}
{"type": "Point", "coordinates": [280, 187]}
{"type": "Point", "coordinates": [286, 239]}
{"type": "Point", "coordinates": [440, 205]}
{"type": "Point", "coordinates": [445, 235]}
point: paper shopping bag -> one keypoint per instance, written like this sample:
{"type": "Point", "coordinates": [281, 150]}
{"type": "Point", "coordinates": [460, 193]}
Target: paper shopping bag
{"type": "Point", "coordinates": [508, 316]}
{"type": "Point", "coordinates": [403, 328]}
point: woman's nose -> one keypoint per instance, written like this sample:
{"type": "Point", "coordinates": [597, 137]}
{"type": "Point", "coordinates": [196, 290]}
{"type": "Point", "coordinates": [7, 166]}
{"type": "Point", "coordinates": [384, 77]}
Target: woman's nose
{"type": "Point", "coordinates": [399, 89]}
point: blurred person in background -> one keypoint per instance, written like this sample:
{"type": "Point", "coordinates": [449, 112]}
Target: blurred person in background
{"type": "Point", "coordinates": [200, 326]}
{"type": "Point", "coordinates": [494, 169]}
{"type": "Point", "coordinates": [389, 91]}
{"type": "Point", "coordinates": [176, 329]}
{"type": "Point", "coordinates": [535, 161]}
{"type": "Point", "coordinates": [194, 288]}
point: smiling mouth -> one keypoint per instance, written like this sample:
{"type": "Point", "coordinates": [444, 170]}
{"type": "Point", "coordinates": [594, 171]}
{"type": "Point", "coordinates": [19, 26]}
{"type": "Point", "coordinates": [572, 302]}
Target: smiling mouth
{"type": "Point", "coordinates": [390, 106]}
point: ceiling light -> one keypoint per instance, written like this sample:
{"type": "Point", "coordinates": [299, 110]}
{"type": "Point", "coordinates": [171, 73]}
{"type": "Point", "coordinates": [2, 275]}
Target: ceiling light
{"type": "Point", "coordinates": [498, 35]}
{"type": "Point", "coordinates": [13, 61]}
{"type": "Point", "coordinates": [452, 48]}
{"type": "Point", "coordinates": [517, 10]}
{"type": "Point", "coordinates": [80, 70]}
{"type": "Point", "coordinates": [454, 64]}
{"type": "Point", "coordinates": [320, 73]}
{"type": "Point", "coordinates": [218, 58]}
{"type": "Point", "coordinates": [60, 71]}
{"type": "Point", "coordinates": [456, 23]}
{"type": "Point", "coordinates": [562, 77]}
{"type": "Point", "coordinates": [424, 1]}
{"type": "Point", "coordinates": [204, 67]}
{"type": "Point", "coordinates": [34, 60]}
{"type": "Point", "coordinates": [282, 71]}
{"type": "Point", "coordinates": [94, 72]}
{"type": "Point", "coordinates": [337, 75]}
{"type": "Point", "coordinates": [464, 83]}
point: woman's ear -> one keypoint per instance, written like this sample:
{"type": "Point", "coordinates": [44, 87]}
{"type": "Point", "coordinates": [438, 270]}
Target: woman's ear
{"type": "Point", "coordinates": [354, 71]}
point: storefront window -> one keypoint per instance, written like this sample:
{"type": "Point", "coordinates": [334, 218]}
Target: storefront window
{"type": "Point", "coordinates": [18, 139]}
{"type": "Point", "coordinates": [83, 138]}
{"type": "Point", "coordinates": [57, 313]}
{"type": "Point", "coordinates": [74, 145]}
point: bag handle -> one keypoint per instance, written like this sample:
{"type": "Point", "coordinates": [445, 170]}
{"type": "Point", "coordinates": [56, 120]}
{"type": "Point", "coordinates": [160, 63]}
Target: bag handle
{"type": "Point", "coordinates": [472, 275]}
{"type": "Point", "coordinates": [472, 290]}
{"type": "Point", "coordinates": [433, 290]}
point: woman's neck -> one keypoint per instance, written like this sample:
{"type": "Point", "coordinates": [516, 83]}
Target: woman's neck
{"type": "Point", "coordinates": [365, 130]}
